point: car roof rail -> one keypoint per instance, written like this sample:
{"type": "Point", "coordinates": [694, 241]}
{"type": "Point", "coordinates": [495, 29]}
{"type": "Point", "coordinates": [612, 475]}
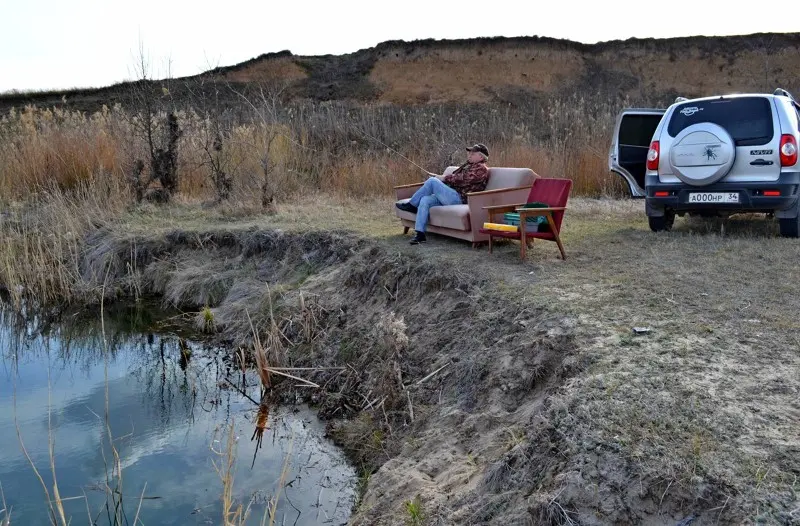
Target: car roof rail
{"type": "Point", "coordinates": [782, 93]}
{"type": "Point", "coordinates": [680, 99]}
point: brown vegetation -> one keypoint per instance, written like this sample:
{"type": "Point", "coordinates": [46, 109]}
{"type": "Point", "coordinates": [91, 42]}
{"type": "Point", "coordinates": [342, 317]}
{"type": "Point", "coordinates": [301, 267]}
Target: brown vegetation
{"type": "Point", "coordinates": [499, 391]}
{"type": "Point", "coordinates": [338, 149]}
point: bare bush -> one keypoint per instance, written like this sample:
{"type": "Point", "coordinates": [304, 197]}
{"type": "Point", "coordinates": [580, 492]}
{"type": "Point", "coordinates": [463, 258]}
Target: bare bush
{"type": "Point", "coordinates": [155, 123]}
{"type": "Point", "coordinates": [214, 136]}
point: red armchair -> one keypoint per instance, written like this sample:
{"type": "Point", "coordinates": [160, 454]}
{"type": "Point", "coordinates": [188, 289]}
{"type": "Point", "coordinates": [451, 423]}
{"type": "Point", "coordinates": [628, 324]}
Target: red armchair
{"type": "Point", "coordinates": [554, 193]}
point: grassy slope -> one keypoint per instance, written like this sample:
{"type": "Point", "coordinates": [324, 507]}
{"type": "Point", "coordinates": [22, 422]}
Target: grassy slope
{"type": "Point", "coordinates": [698, 415]}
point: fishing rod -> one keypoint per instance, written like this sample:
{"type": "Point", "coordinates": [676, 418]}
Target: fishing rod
{"type": "Point", "coordinates": [365, 134]}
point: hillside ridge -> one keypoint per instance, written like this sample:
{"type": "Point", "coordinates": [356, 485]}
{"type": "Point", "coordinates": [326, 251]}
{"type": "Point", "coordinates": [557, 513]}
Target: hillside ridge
{"type": "Point", "coordinates": [489, 69]}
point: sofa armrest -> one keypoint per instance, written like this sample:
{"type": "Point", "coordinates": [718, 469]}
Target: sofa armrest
{"type": "Point", "coordinates": [499, 190]}
{"type": "Point", "coordinates": [482, 204]}
{"type": "Point", "coordinates": [405, 191]}
{"type": "Point", "coordinates": [412, 185]}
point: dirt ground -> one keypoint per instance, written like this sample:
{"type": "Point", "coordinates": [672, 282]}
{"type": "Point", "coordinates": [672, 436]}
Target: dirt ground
{"type": "Point", "coordinates": [478, 389]}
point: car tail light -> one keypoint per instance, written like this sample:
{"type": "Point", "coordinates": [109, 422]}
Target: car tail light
{"type": "Point", "coordinates": [653, 156]}
{"type": "Point", "coordinates": [662, 194]}
{"type": "Point", "coordinates": [788, 150]}
{"type": "Point", "coordinates": [772, 193]}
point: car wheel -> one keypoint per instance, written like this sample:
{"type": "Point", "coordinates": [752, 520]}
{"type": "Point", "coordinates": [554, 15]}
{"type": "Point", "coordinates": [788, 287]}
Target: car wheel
{"type": "Point", "coordinates": [789, 226]}
{"type": "Point", "coordinates": [662, 223]}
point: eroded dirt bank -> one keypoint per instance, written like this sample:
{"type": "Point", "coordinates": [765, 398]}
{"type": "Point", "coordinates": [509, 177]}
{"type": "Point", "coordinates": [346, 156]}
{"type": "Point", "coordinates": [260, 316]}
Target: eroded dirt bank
{"type": "Point", "coordinates": [454, 388]}
{"type": "Point", "coordinates": [443, 378]}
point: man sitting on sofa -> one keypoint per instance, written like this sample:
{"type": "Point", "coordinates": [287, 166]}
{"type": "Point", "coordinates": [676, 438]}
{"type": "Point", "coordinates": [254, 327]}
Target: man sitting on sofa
{"type": "Point", "coordinates": [452, 189]}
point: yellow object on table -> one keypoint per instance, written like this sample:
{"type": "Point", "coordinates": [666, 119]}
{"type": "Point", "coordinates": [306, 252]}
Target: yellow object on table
{"type": "Point", "coordinates": [501, 226]}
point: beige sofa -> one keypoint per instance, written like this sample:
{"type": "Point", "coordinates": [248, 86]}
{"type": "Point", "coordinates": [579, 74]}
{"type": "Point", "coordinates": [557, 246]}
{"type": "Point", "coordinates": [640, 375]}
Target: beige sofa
{"type": "Point", "coordinates": [505, 186]}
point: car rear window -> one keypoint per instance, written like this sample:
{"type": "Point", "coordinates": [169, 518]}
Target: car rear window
{"type": "Point", "coordinates": [637, 130]}
{"type": "Point", "coordinates": [747, 119]}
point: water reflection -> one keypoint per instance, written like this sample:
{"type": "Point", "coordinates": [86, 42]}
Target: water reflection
{"type": "Point", "coordinates": [165, 398]}
{"type": "Point", "coordinates": [262, 418]}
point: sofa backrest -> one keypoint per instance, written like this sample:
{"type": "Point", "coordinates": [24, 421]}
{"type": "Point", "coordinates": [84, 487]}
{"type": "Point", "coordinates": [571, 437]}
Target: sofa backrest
{"type": "Point", "coordinates": [509, 177]}
{"type": "Point", "coordinates": [504, 177]}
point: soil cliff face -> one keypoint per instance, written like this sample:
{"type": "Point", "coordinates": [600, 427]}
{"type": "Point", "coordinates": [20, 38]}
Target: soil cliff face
{"type": "Point", "coordinates": [499, 70]}
{"type": "Point", "coordinates": [483, 70]}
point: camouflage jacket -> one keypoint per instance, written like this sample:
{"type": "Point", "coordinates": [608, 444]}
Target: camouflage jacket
{"type": "Point", "coordinates": [468, 178]}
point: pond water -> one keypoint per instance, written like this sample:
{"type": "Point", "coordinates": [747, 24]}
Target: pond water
{"type": "Point", "coordinates": [169, 405]}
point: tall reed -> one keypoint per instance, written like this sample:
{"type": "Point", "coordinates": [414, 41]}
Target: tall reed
{"type": "Point", "coordinates": [42, 248]}
{"type": "Point", "coordinates": [343, 148]}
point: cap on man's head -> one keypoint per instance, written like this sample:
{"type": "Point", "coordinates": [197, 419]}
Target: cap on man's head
{"type": "Point", "coordinates": [479, 148]}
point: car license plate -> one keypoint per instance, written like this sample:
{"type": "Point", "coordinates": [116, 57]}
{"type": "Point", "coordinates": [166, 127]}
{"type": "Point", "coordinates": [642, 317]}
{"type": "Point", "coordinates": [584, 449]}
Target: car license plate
{"type": "Point", "coordinates": [714, 197]}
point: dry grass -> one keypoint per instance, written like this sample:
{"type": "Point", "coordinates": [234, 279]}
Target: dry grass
{"type": "Point", "coordinates": [43, 241]}
{"type": "Point", "coordinates": [43, 257]}
{"type": "Point", "coordinates": [701, 408]}
{"type": "Point", "coordinates": [703, 405]}
{"type": "Point", "coordinates": [335, 148]}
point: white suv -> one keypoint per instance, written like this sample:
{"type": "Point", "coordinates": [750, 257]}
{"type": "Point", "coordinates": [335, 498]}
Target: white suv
{"type": "Point", "coordinates": [713, 156]}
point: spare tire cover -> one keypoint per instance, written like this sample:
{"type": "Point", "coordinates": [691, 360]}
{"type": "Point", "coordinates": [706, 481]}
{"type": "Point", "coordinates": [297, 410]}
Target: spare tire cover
{"type": "Point", "coordinates": [702, 154]}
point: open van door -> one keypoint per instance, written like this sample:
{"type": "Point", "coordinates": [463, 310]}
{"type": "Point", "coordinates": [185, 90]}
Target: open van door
{"type": "Point", "coordinates": [632, 136]}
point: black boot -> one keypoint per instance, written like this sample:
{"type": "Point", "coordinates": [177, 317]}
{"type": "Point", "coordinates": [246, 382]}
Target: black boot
{"type": "Point", "coordinates": [406, 207]}
{"type": "Point", "coordinates": [419, 237]}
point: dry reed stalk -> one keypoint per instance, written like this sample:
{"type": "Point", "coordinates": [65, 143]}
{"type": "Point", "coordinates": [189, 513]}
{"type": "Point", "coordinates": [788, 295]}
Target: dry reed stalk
{"type": "Point", "coordinates": [275, 336]}
{"type": "Point", "coordinates": [33, 466]}
{"type": "Point", "coordinates": [139, 507]}
{"type": "Point", "coordinates": [5, 520]}
{"type": "Point", "coordinates": [57, 514]}
{"type": "Point", "coordinates": [303, 381]}
{"type": "Point", "coordinates": [59, 506]}
{"type": "Point", "coordinates": [265, 372]}
{"type": "Point", "coordinates": [311, 313]}
{"type": "Point", "coordinates": [232, 513]}
{"type": "Point", "coordinates": [262, 365]}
